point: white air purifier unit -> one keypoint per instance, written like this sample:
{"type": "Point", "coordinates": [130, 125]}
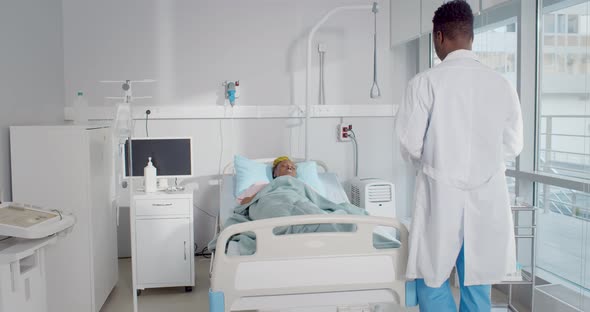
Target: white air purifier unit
{"type": "Point", "coordinates": [375, 195]}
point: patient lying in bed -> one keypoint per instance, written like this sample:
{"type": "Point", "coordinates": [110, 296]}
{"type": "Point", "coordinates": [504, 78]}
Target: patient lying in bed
{"type": "Point", "coordinates": [288, 196]}
{"type": "Point", "coordinates": [282, 166]}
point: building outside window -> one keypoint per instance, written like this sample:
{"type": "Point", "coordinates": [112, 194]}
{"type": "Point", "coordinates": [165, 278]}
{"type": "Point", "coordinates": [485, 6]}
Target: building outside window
{"type": "Point", "coordinates": [563, 148]}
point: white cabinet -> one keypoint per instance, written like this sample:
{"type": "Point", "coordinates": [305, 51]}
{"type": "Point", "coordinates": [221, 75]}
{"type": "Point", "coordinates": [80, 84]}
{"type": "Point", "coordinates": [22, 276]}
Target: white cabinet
{"type": "Point", "coordinates": [169, 262]}
{"type": "Point", "coordinates": [162, 239]}
{"type": "Point", "coordinates": [69, 168]}
{"type": "Point", "coordinates": [23, 284]}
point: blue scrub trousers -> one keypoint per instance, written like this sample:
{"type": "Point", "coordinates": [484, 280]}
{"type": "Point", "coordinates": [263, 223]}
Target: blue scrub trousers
{"type": "Point", "coordinates": [473, 298]}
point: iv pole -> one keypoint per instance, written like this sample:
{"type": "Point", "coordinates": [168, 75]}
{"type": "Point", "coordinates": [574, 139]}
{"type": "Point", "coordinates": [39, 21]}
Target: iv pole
{"type": "Point", "coordinates": [308, 67]}
{"type": "Point", "coordinates": [123, 129]}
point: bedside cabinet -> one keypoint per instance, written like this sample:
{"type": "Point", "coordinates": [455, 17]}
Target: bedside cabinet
{"type": "Point", "coordinates": [162, 240]}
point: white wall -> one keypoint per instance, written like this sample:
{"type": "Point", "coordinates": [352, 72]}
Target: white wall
{"type": "Point", "coordinates": [31, 70]}
{"type": "Point", "coordinates": [190, 47]}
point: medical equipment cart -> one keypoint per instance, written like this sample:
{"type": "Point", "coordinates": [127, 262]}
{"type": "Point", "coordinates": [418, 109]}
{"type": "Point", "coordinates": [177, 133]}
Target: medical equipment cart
{"type": "Point", "coordinates": [28, 230]}
{"type": "Point", "coordinates": [525, 233]}
{"type": "Point", "coordinates": [162, 243]}
{"type": "Point", "coordinates": [23, 274]}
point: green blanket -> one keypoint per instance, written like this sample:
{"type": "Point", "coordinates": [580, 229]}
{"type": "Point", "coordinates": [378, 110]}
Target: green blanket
{"type": "Point", "coordinates": [287, 196]}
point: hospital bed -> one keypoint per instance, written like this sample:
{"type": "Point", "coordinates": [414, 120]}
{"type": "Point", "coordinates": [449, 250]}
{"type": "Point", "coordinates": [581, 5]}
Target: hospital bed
{"type": "Point", "coordinates": [299, 271]}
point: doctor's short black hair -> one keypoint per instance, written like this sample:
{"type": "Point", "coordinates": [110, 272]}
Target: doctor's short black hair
{"type": "Point", "coordinates": [454, 19]}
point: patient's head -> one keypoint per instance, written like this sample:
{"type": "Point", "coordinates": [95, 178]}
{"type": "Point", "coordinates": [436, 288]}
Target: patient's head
{"type": "Point", "coordinates": [283, 166]}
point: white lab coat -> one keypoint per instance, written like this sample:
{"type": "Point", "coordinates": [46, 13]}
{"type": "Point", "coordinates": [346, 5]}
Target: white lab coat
{"type": "Point", "coordinates": [458, 123]}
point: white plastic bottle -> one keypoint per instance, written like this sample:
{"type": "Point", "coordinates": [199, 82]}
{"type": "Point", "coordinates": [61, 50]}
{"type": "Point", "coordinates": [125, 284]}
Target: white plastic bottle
{"type": "Point", "coordinates": [80, 109]}
{"type": "Point", "coordinates": [149, 174]}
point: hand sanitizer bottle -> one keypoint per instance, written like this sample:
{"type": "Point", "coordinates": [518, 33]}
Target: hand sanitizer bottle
{"type": "Point", "coordinates": [149, 174]}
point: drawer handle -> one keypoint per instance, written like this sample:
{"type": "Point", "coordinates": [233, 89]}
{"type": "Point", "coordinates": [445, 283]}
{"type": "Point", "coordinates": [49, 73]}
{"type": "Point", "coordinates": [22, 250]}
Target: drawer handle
{"type": "Point", "coordinates": [162, 205]}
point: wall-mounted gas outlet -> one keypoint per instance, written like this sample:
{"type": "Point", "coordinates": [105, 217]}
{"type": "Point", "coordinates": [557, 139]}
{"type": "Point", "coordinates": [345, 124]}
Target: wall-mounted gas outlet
{"type": "Point", "coordinates": [232, 91]}
{"type": "Point", "coordinates": [342, 132]}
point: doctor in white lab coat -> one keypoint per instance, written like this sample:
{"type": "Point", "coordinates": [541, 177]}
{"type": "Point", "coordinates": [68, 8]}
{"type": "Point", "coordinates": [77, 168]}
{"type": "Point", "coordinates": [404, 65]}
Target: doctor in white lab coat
{"type": "Point", "coordinates": [458, 123]}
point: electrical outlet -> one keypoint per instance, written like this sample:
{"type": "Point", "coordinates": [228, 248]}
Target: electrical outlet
{"type": "Point", "coordinates": [238, 89]}
{"type": "Point", "coordinates": [342, 133]}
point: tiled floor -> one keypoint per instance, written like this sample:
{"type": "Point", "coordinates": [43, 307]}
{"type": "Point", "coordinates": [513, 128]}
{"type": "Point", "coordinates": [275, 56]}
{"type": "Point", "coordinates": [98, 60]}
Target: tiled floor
{"type": "Point", "coordinates": [175, 299]}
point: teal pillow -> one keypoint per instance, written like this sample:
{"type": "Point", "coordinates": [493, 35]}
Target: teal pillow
{"type": "Point", "coordinates": [308, 172]}
{"type": "Point", "coordinates": [249, 172]}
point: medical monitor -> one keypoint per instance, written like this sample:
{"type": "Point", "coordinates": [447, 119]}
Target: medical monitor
{"type": "Point", "coordinates": [172, 157]}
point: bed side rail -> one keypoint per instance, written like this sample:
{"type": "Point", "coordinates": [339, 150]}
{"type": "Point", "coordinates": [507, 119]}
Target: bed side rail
{"type": "Point", "coordinates": [315, 244]}
{"type": "Point", "coordinates": [295, 263]}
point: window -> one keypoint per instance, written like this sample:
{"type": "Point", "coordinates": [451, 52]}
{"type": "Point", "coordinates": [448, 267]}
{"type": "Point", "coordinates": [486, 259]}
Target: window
{"type": "Point", "coordinates": [564, 234]}
{"type": "Point", "coordinates": [564, 147]}
{"type": "Point", "coordinates": [572, 24]}
{"type": "Point", "coordinates": [549, 40]}
{"type": "Point", "coordinates": [549, 61]}
{"type": "Point", "coordinates": [549, 23]}
{"type": "Point", "coordinates": [564, 134]}
{"type": "Point", "coordinates": [561, 23]}
{"type": "Point", "coordinates": [497, 48]}
{"type": "Point", "coordinates": [564, 202]}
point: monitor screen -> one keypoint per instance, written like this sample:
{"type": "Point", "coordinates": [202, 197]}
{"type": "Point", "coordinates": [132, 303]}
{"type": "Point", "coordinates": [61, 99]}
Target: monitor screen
{"type": "Point", "coordinates": [172, 157]}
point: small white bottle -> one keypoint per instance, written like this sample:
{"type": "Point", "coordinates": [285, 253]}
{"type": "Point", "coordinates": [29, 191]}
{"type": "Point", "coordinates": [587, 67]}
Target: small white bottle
{"type": "Point", "coordinates": [80, 109]}
{"type": "Point", "coordinates": [149, 174]}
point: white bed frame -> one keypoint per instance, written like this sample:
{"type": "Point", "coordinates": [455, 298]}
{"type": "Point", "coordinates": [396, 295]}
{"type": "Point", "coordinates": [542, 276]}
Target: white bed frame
{"type": "Point", "coordinates": [336, 269]}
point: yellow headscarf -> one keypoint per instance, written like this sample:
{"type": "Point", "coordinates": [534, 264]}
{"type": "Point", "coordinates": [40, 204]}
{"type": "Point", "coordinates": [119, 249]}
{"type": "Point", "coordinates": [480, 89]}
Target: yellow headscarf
{"type": "Point", "coordinates": [279, 160]}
